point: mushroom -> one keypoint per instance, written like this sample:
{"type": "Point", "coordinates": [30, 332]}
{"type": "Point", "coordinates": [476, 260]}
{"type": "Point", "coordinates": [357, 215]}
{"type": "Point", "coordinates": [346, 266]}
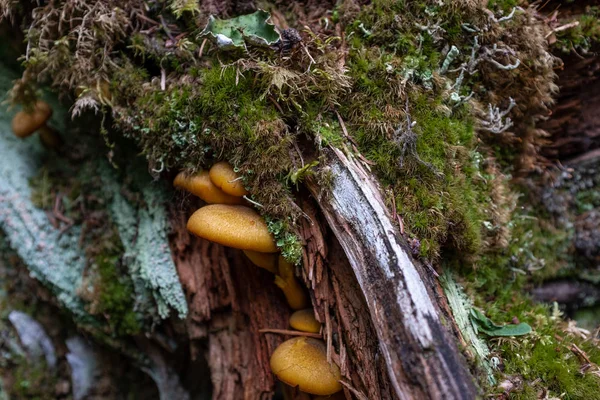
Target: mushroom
{"type": "Point", "coordinates": [336, 396]}
{"type": "Point", "coordinates": [294, 293]}
{"type": "Point", "coordinates": [305, 321]}
{"type": "Point", "coordinates": [267, 261]}
{"type": "Point", "coordinates": [200, 185]}
{"type": "Point", "coordinates": [302, 362]}
{"type": "Point", "coordinates": [25, 123]}
{"type": "Point", "coordinates": [235, 226]}
{"type": "Point", "coordinates": [223, 175]}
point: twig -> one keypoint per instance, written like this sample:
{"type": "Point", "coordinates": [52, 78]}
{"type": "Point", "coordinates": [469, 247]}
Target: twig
{"type": "Point", "coordinates": [359, 395]}
{"type": "Point", "coordinates": [201, 51]}
{"type": "Point", "coordinates": [167, 30]}
{"type": "Point", "coordinates": [562, 28]}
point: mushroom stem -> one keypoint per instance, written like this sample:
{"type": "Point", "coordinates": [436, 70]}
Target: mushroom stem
{"type": "Point", "coordinates": [294, 292]}
{"type": "Point", "coordinates": [267, 261]}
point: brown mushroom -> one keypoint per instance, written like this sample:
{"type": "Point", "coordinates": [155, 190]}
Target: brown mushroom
{"type": "Point", "coordinates": [267, 261]}
{"type": "Point", "coordinates": [25, 123]}
{"type": "Point", "coordinates": [286, 280]}
{"type": "Point", "coordinates": [235, 226]}
{"type": "Point", "coordinates": [200, 185]}
{"type": "Point", "coordinates": [305, 321]}
{"type": "Point", "coordinates": [223, 175]}
{"type": "Point", "coordinates": [302, 362]}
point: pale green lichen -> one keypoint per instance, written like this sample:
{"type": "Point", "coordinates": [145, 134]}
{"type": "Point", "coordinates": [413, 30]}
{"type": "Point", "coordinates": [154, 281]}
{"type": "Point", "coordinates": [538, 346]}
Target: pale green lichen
{"type": "Point", "coordinates": [53, 258]}
{"type": "Point", "coordinates": [143, 231]}
{"type": "Point", "coordinates": [461, 307]}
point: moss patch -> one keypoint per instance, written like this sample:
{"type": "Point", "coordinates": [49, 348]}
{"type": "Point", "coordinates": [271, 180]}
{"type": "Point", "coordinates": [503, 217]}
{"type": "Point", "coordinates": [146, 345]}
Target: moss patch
{"type": "Point", "coordinates": [114, 297]}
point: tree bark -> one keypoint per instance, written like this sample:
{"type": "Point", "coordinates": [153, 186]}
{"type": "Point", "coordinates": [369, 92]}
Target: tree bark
{"type": "Point", "coordinates": [421, 358]}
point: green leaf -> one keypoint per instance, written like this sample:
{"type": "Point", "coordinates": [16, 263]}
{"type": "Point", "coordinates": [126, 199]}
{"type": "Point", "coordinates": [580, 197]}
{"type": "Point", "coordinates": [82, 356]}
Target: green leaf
{"type": "Point", "coordinates": [481, 323]}
{"type": "Point", "coordinates": [299, 175]}
{"type": "Point", "coordinates": [237, 32]}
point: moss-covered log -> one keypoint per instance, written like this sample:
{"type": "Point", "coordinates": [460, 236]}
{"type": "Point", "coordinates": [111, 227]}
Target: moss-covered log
{"type": "Point", "coordinates": [394, 149]}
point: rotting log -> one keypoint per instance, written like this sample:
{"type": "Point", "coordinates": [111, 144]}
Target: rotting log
{"type": "Point", "coordinates": [421, 357]}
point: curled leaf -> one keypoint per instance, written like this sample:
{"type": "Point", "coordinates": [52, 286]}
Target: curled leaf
{"type": "Point", "coordinates": [238, 32]}
{"type": "Point", "coordinates": [481, 323]}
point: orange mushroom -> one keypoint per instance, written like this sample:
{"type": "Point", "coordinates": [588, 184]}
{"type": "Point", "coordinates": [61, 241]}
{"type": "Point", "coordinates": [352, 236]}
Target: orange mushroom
{"type": "Point", "coordinates": [223, 175]}
{"type": "Point", "coordinates": [235, 226]}
{"type": "Point", "coordinates": [267, 261]}
{"type": "Point", "coordinates": [302, 362]}
{"type": "Point", "coordinates": [25, 123]}
{"type": "Point", "coordinates": [200, 185]}
{"type": "Point", "coordinates": [305, 321]}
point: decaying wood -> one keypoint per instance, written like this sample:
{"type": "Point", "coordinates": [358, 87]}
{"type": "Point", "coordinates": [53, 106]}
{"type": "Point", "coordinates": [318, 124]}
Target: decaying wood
{"type": "Point", "coordinates": [340, 304]}
{"type": "Point", "coordinates": [574, 127]}
{"type": "Point", "coordinates": [230, 301]}
{"type": "Point", "coordinates": [420, 355]}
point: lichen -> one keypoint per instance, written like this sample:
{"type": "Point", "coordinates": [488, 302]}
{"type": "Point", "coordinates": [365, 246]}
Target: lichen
{"type": "Point", "coordinates": [53, 258]}
{"type": "Point", "coordinates": [143, 232]}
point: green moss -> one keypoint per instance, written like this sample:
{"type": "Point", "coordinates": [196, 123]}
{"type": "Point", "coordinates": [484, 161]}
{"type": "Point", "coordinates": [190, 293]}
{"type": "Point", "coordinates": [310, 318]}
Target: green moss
{"type": "Point", "coordinates": [583, 36]}
{"type": "Point", "coordinates": [115, 296]}
{"type": "Point", "coordinates": [31, 380]}
{"type": "Point", "coordinates": [499, 285]}
{"type": "Point", "coordinates": [288, 243]}
{"type": "Point", "coordinates": [586, 200]}
{"type": "Point", "coordinates": [503, 5]}
{"type": "Point", "coordinates": [544, 359]}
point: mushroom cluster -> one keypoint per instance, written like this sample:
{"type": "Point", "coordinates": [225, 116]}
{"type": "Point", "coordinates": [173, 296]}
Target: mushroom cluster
{"type": "Point", "coordinates": [26, 122]}
{"type": "Point", "coordinates": [229, 220]}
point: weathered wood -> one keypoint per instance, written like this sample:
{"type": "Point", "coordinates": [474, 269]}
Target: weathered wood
{"type": "Point", "coordinates": [422, 359]}
{"type": "Point", "coordinates": [574, 126]}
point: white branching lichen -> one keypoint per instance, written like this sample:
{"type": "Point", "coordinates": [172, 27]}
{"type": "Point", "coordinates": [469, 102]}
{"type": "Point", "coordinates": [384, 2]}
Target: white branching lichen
{"type": "Point", "coordinates": [496, 120]}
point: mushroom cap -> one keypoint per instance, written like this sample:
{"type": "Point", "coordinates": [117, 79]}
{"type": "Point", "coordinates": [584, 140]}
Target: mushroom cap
{"type": "Point", "coordinates": [305, 321]}
{"type": "Point", "coordinates": [25, 123]}
{"type": "Point", "coordinates": [223, 175]}
{"type": "Point", "coordinates": [201, 186]}
{"type": "Point", "coordinates": [267, 261]}
{"type": "Point", "coordinates": [302, 362]}
{"type": "Point", "coordinates": [235, 226]}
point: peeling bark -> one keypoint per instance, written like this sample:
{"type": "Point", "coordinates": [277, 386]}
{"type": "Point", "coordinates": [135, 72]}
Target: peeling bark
{"type": "Point", "coordinates": [421, 357]}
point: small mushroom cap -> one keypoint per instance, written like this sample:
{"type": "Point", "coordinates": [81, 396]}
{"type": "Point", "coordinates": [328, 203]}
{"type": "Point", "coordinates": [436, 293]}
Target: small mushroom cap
{"type": "Point", "coordinates": [201, 186]}
{"type": "Point", "coordinates": [25, 123]}
{"type": "Point", "coordinates": [302, 362]}
{"type": "Point", "coordinates": [223, 175]}
{"type": "Point", "coordinates": [305, 321]}
{"type": "Point", "coordinates": [235, 226]}
{"type": "Point", "coordinates": [267, 261]}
